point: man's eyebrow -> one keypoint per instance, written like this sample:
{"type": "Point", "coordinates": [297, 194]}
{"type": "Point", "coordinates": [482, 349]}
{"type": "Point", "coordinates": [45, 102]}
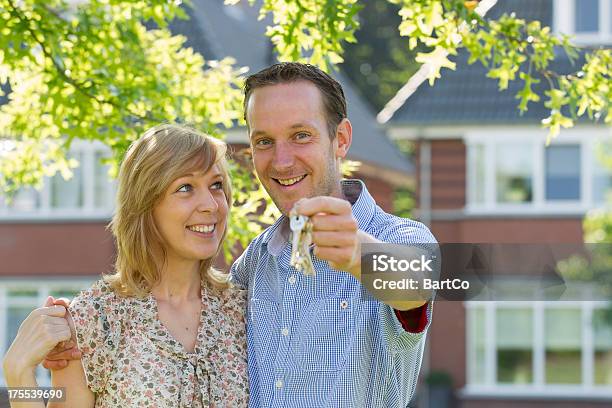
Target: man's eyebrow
{"type": "Point", "coordinates": [301, 125]}
{"type": "Point", "coordinates": [258, 133]}
{"type": "Point", "coordinates": [295, 126]}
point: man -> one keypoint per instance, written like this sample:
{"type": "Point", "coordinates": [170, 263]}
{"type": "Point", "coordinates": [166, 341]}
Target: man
{"type": "Point", "coordinates": [320, 341]}
{"type": "Point", "coordinates": [323, 340]}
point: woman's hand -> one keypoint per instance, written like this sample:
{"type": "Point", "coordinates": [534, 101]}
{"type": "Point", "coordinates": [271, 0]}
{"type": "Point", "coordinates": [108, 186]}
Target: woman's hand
{"type": "Point", "coordinates": [39, 333]}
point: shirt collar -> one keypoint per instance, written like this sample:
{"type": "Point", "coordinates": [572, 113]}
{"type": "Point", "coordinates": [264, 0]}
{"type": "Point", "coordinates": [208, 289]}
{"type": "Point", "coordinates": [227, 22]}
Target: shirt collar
{"type": "Point", "coordinates": [363, 207]}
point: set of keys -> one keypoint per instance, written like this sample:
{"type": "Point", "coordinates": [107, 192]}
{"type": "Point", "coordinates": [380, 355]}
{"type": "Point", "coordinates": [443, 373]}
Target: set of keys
{"type": "Point", "coordinates": [301, 238]}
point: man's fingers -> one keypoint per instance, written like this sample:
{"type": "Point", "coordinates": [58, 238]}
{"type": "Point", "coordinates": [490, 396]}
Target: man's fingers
{"type": "Point", "coordinates": [329, 205]}
{"type": "Point", "coordinates": [55, 365]}
{"type": "Point", "coordinates": [49, 301]}
{"type": "Point", "coordinates": [69, 354]}
{"type": "Point", "coordinates": [336, 239]}
{"type": "Point", "coordinates": [327, 222]}
{"type": "Point", "coordinates": [336, 256]}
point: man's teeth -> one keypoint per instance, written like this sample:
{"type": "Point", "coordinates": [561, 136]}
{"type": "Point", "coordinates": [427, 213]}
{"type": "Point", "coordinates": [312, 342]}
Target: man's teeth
{"type": "Point", "coordinates": [202, 228]}
{"type": "Point", "coordinates": [288, 182]}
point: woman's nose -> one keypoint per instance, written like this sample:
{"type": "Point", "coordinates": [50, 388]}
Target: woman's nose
{"type": "Point", "coordinates": [206, 202]}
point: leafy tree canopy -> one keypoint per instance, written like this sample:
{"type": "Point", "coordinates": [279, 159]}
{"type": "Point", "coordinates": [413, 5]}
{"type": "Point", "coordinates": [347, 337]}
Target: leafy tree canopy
{"type": "Point", "coordinates": [93, 70]}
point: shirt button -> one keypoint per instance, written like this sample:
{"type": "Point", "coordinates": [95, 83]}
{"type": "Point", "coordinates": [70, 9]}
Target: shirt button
{"type": "Point", "coordinates": [343, 304]}
{"type": "Point", "coordinates": [292, 279]}
{"type": "Point", "coordinates": [279, 384]}
{"type": "Point", "coordinates": [285, 331]}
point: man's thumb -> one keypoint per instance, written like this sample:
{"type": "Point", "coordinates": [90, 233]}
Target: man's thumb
{"type": "Point", "coordinates": [49, 301]}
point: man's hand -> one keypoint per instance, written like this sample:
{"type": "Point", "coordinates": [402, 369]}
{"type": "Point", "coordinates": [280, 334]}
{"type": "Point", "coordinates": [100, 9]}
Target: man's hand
{"type": "Point", "coordinates": [335, 233]}
{"type": "Point", "coordinates": [64, 351]}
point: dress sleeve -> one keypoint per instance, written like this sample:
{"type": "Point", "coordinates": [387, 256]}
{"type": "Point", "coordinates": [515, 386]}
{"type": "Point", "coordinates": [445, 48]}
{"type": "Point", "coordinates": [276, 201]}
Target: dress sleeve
{"type": "Point", "coordinates": [96, 316]}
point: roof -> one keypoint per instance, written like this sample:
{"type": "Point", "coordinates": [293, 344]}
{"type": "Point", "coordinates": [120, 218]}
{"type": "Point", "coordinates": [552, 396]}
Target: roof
{"type": "Point", "coordinates": [216, 31]}
{"type": "Point", "coordinates": [467, 96]}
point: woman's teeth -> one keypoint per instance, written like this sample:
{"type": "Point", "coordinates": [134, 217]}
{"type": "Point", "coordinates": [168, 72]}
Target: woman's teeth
{"type": "Point", "coordinates": [291, 181]}
{"type": "Point", "coordinates": [202, 228]}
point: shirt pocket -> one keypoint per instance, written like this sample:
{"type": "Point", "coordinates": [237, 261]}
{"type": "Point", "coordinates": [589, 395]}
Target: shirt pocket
{"type": "Point", "coordinates": [263, 315]}
{"type": "Point", "coordinates": [326, 334]}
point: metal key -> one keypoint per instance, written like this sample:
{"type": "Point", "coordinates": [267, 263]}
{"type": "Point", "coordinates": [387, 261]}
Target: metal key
{"type": "Point", "coordinates": [306, 261]}
{"type": "Point", "coordinates": [301, 239]}
{"type": "Point", "coordinates": [297, 224]}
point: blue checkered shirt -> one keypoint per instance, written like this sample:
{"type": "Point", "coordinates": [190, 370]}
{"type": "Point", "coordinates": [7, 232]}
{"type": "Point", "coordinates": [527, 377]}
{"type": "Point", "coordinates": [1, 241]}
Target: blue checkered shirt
{"type": "Point", "coordinates": [324, 341]}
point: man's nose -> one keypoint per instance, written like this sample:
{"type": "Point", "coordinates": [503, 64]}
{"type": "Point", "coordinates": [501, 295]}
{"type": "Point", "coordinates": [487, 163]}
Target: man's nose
{"type": "Point", "coordinates": [283, 156]}
{"type": "Point", "coordinates": [206, 202]}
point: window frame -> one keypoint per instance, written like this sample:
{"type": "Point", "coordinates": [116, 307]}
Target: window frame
{"type": "Point", "coordinates": [587, 389]}
{"type": "Point", "coordinates": [87, 211]}
{"type": "Point", "coordinates": [564, 12]}
{"type": "Point", "coordinates": [585, 139]}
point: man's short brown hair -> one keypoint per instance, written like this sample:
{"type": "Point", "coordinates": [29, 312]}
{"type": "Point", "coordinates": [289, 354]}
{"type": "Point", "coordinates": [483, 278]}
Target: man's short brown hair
{"type": "Point", "coordinates": [334, 103]}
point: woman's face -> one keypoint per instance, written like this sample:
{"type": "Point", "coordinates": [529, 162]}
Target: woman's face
{"type": "Point", "coordinates": [192, 214]}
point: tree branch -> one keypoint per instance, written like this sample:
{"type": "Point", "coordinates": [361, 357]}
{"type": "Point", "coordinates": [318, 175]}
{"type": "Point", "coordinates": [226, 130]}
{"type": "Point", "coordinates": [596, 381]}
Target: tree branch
{"type": "Point", "coordinates": [78, 86]}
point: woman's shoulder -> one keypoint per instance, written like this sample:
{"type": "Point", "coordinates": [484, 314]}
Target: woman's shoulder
{"type": "Point", "coordinates": [99, 292]}
{"type": "Point", "coordinates": [102, 299]}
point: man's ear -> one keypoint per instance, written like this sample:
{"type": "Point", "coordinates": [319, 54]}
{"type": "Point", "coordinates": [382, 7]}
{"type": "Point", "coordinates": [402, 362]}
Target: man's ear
{"type": "Point", "coordinates": [344, 137]}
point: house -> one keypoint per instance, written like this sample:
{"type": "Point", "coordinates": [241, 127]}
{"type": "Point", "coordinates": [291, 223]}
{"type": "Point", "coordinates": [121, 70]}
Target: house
{"type": "Point", "coordinates": [55, 241]}
{"type": "Point", "coordinates": [485, 174]}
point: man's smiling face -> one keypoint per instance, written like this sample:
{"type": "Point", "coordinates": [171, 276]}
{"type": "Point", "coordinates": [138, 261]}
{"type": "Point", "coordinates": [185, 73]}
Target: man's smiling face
{"type": "Point", "coordinates": [293, 153]}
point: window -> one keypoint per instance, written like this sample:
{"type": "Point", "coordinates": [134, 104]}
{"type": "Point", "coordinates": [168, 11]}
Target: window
{"type": "Point", "coordinates": [103, 197]}
{"type": "Point", "coordinates": [477, 158]}
{"type": "Point", "coordinates": [514, 346]}
{"type": "Point", "coordinates": [602, 324]}
{"type": "Point", "coordinates": [566, 177]}
{"type": "Point", "coordinates": [18, 299]}
{"type": "Point", "coordinates": [602, 174]}
{"type": "Point", "coordinates": [534, 348]}
{"type": "Point", "coordinates": [68, 193]}
{"type": "Point", "coordinates": [26, 200]}
{"type": "Point", "coordinates": [562, 172]}
{"type": "Point", "coordinates": [586, 16]}
{"type": "Point", "coordinates": [89, 192]}
{"type": "Point", "coordinates": [590, 21]}
{"type": "Point", "coordinates": [513, 173]}
{"type": "Point", "coordinates": [563, 334]}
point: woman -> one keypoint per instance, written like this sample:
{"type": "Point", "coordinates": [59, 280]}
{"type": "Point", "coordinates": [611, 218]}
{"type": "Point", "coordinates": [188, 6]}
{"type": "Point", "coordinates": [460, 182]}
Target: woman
{"type": "Point", "coordinates": [165, 329]}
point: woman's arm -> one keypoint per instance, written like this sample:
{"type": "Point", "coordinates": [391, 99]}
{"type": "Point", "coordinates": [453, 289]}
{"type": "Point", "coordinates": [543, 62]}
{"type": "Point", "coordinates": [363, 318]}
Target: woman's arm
{"type": "Point", "coordinates": [39, 333]}
{"type": "Point", "coordinates": [72, 378]}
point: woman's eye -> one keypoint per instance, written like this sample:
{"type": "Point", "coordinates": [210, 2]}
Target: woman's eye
{"type": "Point", "coordinates": [185, 188]}
{"type": "Point", "coordinates": [217, 186]}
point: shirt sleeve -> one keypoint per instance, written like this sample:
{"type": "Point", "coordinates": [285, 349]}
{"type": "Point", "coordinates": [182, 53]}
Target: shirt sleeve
{"type": "Point", "coordinates": [243, 266]}
{"type": "Point", "coordinates": [96, 316]}
{"type": "Point", "coordinates": [413, 320]}
{"type": "Point", "coordinates": [404, 329]}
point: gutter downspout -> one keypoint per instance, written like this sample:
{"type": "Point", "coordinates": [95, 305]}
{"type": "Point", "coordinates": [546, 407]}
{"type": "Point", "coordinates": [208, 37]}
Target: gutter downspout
{"type": "Point", "coordinates": [425, 181]}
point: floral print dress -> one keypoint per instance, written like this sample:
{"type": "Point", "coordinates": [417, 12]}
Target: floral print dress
{"type": "Point", "coordinates": [130, 358]}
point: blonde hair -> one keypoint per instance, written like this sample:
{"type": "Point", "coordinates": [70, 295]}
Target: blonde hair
{"type": "Point", "coordinates": [163, 154]}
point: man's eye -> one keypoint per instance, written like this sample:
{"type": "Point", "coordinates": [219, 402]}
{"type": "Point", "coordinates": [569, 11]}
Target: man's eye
{"type": "Point", "coordinates": [263, 143]}
{"type": "Point", "coordinates": [217, 186]}
{"type": "Point", "coordinates": [185, 188]}
{"type": "Point", "coordinates": [302, 136]}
